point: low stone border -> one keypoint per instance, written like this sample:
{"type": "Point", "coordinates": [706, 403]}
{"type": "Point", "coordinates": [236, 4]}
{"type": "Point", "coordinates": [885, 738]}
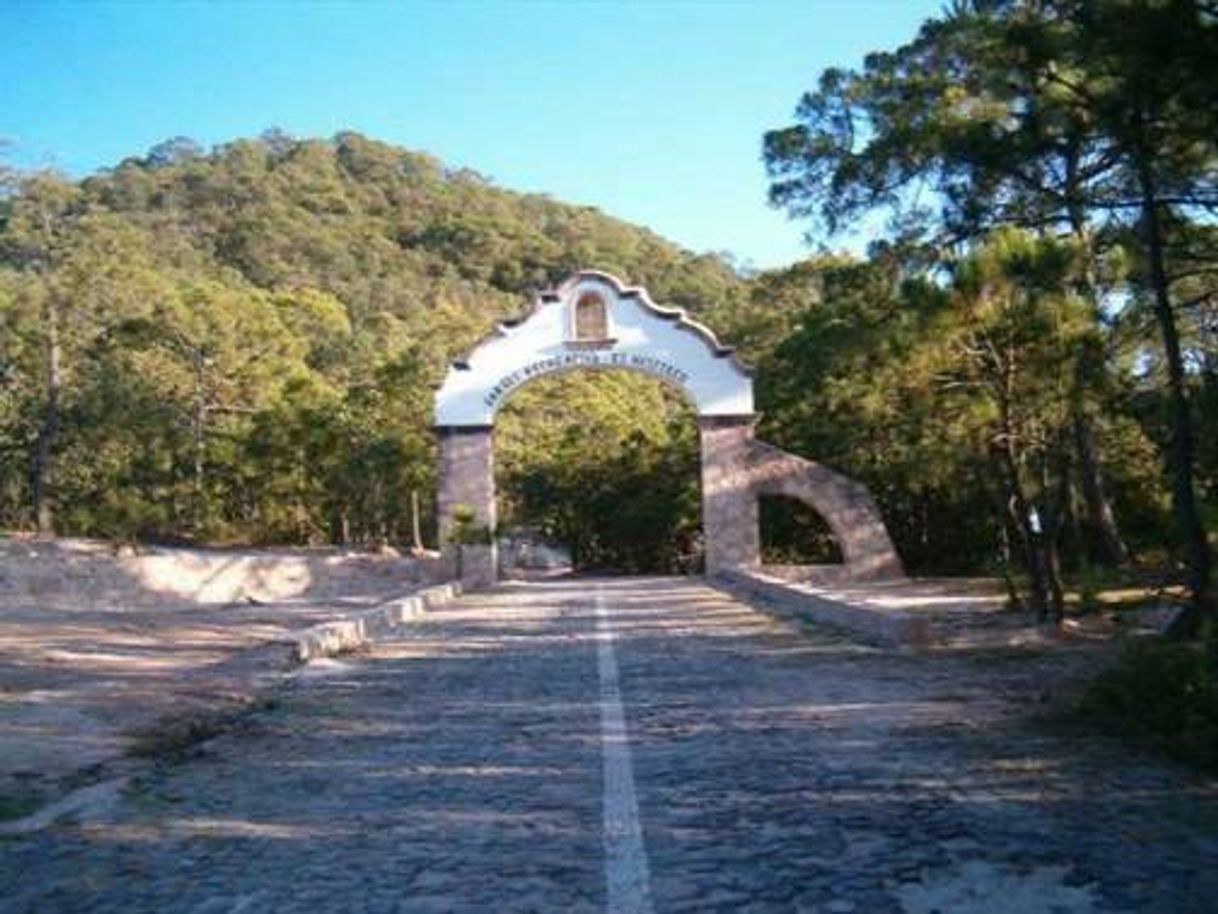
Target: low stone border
{"type": "Point", "coordinates": [85, 800]}
{"type": "Point", "coordinates": [332, 638]}
{"type": "Point", "coordinates": [323, 640]}
{"type": "Point", "coordinates": [890, 628]}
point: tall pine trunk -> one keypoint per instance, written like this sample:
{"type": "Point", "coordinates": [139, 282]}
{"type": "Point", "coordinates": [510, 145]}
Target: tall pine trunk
{"type": "Point", "coordinates": [1018, 506]}
{"type": "Point", "coordinates": [1108, 545]}
{"type": "Point", "coordinates": [199, 461]}
{"type": "Point", "coordinates": [416, 528]}
{"type": "Point", "coordinates": [1056, 498]}
{"type": "Point", "coordinates": [1019, 517]}
{"type": "Point", "coordinates": [1181, 455]}
{"type": "Point", "coordinates": [48, 433]}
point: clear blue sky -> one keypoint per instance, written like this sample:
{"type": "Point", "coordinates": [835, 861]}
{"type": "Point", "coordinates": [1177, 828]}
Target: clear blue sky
{"type": "Point", "coordinates": [651, 111]}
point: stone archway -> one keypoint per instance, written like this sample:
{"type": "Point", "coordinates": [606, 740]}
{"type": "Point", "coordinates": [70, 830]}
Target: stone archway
{"type": "Point", "coordinates": [593, 321]}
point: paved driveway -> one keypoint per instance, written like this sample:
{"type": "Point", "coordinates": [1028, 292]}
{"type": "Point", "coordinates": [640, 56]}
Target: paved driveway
{"type": "Point", "coordinates": [639, 745]}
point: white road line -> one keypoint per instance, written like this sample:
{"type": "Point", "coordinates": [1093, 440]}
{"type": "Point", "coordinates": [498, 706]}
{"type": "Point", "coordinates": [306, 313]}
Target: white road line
{"type": "Point", "coordinates": [626, 875]}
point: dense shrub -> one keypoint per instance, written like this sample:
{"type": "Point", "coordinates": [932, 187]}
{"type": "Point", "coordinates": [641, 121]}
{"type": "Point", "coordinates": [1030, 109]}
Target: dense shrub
{"type": "Point", "coordinates": [1163, 695]}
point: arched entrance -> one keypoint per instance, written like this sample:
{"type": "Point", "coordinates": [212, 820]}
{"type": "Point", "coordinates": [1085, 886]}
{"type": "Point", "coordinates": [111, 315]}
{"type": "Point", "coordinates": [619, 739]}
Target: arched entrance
{"type": "Point", "coordinates": [594, 321]}
{"type": "Point", "coordinates": [605, 463]}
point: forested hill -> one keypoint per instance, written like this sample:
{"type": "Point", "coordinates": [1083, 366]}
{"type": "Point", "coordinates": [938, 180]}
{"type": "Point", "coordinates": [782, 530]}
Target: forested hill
{"type": "Point", "coordinates": [386, 231]}
{"type": "Point", "coordinates": [245, 338]}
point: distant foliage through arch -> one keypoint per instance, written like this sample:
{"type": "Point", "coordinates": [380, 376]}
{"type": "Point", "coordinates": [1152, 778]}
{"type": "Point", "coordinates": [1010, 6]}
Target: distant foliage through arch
{"type": "Point", "coordinates": [792, 533]}
{"type": "Point", "coordinates": [605, 463]}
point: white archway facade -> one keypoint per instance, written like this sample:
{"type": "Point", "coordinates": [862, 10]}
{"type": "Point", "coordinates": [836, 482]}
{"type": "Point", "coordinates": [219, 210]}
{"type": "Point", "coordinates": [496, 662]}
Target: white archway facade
{"type": "Point", "coordinates": [593, 321]}
{"type": "Point", "coordinates": [637, 335]}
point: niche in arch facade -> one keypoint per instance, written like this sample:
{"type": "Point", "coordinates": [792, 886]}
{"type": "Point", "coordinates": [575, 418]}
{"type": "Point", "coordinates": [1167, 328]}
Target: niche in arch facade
{"type": "Point", "coordinates": [594, 321]}
{"type": "Point", "coordinates": [590, 321]}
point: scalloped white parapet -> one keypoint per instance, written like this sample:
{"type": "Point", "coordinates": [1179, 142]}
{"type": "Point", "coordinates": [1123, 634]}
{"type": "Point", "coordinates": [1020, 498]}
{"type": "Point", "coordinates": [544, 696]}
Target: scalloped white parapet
{"type": "Point", "coordinates": [642, 336]}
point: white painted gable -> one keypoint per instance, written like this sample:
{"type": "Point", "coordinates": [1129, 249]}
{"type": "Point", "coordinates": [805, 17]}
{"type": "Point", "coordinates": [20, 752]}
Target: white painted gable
{"type": "Point", "coordinates": [661, 342]}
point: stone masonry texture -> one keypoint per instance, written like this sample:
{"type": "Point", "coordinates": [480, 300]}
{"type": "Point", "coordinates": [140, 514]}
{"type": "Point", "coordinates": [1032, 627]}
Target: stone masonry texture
{"type": "Point", "coordinates": [466, 477]}
{"type": "Point", "coordinates": [729, 505]}
{"type": "Point", "coordinates": [737, 469]}
{"type": "Point", "coordinates": [779, 770]}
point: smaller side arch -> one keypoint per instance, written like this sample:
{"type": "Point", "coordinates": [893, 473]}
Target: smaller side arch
{"type": "Point", "coordinates": [737, 469]}
{"type": "Point", "coordinates": [844, 503]}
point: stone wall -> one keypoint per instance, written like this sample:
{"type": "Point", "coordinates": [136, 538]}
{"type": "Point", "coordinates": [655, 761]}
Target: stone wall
{"type": "Point", "coordinates": [74, 573]}
{"type": "Point", "coordinates": [889, 627]}
{"type": "Point", "coordinates": [808, 574]}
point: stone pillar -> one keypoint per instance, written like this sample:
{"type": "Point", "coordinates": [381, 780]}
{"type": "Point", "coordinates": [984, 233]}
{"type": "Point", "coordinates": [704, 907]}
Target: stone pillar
{"type": "Point", "coordinates": [466, 478]}
{"type": "Point", "coordinates": [729, 508]}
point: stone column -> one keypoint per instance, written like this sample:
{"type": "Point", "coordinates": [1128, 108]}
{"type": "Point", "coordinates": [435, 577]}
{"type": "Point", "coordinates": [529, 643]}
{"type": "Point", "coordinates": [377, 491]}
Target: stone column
{"type": "Point", "coordinates": [466, 478]}
{"type": "Point", "coordinates": [729, 507]}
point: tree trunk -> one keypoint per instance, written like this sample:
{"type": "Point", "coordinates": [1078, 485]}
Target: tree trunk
{"type": "Point", "coordinates": [1004, 556]}
{"type": "Point", "coordinates": [199, 442]}
{"type": "Point", "coordinates": [415, 527]}
{"type": "Point", "coordinates": [1181, 453]}
{"type": "Point", "coordinates": [1018, 507]}
{"type": "Point", "coordinates": [1053, 573]}
{"type": "Point", "coordinates": [1019, 513]}
{"type": "Point", "coordinates": [1072, 526]}
{"type": "Point", "coordinates": [1108, 545]}
{"type": "Point", "coordinates": [48, 433]}
{"type": "Point", "coordinates": [200, 451]}
{"type": "Point", "coordinates": [301, 510]}
{"type": "Point", "coordinates": [1055, 506]}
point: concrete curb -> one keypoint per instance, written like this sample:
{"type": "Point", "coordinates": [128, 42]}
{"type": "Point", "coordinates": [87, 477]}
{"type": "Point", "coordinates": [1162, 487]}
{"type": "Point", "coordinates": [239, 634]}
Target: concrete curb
{"type": "Point", "coordinates": [889, 628]}
{"type": "Point", "coordinates": [330, 638]}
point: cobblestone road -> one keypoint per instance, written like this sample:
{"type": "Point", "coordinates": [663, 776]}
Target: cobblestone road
{"type": "Point", "coordinates": [775, 769]}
